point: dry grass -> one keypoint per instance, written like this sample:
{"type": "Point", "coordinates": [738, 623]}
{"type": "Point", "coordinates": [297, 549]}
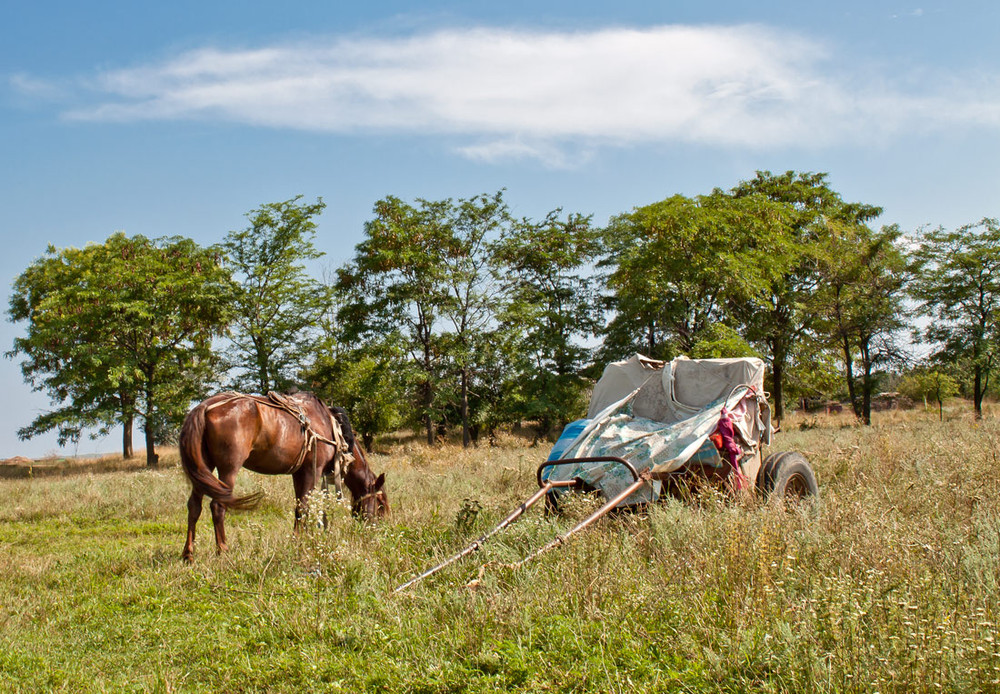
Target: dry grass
{"type": "Point", "coordinates": [890, 583]}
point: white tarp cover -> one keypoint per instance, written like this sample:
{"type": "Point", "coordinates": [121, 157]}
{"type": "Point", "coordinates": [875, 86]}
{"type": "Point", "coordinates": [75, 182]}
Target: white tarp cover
{"type": "Point", "coordinates": [657, 416]}
{"type": "Point", "coordinates": [671, 392]}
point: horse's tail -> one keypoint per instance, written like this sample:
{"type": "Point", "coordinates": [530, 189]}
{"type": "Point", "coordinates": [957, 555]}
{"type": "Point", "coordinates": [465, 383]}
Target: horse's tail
{"type": "Point", "coordinates": [192, 449]}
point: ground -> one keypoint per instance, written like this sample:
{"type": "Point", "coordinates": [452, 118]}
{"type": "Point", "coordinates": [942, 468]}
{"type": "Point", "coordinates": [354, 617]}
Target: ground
{"type": "Point", "coordinates": [891, 582]}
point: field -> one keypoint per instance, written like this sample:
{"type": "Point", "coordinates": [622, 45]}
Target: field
{"type": "Point", "coordinates": [890, 583]}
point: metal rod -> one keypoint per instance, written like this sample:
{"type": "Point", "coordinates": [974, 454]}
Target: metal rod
{"type": "Point", "coordinates": [514, 515]}
{"type": "Point", "coordinates": [599, 513]}
{"type": "Point", "coordinates": [595, 459]}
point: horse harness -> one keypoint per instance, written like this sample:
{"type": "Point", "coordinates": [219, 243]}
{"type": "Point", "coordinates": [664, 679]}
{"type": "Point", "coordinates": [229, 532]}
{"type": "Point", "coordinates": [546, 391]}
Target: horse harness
{"type": "Point", "coordinates": [342, 457]}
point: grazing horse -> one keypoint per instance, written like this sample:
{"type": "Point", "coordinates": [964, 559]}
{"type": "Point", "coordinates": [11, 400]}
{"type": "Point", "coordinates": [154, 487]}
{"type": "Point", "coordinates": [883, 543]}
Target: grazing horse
{"type": "Point", "coordinates": [293, 435]}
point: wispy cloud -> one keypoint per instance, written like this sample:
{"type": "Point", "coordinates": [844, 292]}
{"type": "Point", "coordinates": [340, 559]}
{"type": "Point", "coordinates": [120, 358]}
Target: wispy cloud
{"type": "Point", "coordinates": [510, 93]}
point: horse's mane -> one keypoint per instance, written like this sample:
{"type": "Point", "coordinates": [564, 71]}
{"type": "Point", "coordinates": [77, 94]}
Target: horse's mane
{"type": "Point", "coordinates": [345, 424]}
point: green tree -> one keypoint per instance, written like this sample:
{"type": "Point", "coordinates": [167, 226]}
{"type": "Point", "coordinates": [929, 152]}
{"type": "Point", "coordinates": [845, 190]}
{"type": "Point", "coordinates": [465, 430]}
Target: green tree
{"type": "Point", "coordinates": [861, 302]}
{"type": "Point", "coordinates": [120, 331]}
{"type": "Point", "coordinates": [552, 303]}
{"type": "Point", "coordinates": [679, 265]}
{"type": "Point", "coordinates": [958, 286]}
{"type": "Point", "coordinates": [783, 319]}
{"type": "Point", "coordinates": [719, 341]}
{"type": "Point", "coordinates": [368, 381]}
{"type": "Point", "coordinates": [278, 305]}
{"type": "Point", "coordinates": [931, 383]}
{"type": "Point", "coordinates": [472, 294]}
{"type": "Point", "coordinates": [398, 281]}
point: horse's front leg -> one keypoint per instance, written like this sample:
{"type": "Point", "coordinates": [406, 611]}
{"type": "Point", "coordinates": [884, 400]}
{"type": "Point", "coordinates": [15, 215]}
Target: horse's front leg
{"type": "Point", "coordinates": [303, 480]}
{"type": "Point", "coordinates": [194, 511]}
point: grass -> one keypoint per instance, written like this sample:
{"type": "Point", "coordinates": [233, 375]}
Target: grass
{"type": "Point", "coordinates": [890, 583]}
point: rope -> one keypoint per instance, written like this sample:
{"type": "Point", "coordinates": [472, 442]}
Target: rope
{"type": "Point", "coordinates": [310, 435]}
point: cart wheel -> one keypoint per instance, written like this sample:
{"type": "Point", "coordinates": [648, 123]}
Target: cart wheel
{"type": "Point", "coordinates": [787, 475]}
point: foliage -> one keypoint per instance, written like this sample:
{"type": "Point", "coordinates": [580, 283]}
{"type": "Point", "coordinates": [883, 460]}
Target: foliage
{"type": "Point", "coordinates": [489, 308]}
{"type": "Point", "coordinates": [784, 319]}
{"type": "Point", "coordinates": [719, 341]}
{"type": "Point", "coordinates": [958, 286]}
{"type": "Point", "coordinates": [473, 293]}
{"type": "Point", "coordinates": [676, 266]}
{"type": "Point", "coordinates": [860, 302]}
{"type": "Point", "coordinates": [119, 331]}
{"type": "Point", "coordinates": [369, 382]}
{"type": "Point", "coordinates": [278, 304]}
{"type": "Point", "coordinates": [397, 281]}
{"type": "Point", "coordinates": [929, 384]}
{"type": "Point", "coordinates": [550, 305]}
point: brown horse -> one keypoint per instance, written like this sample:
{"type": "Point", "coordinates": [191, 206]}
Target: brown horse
{"type": "Point", "coordinates": [274, 435]}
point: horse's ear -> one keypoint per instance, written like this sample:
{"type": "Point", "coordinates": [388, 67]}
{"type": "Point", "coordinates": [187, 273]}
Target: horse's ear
{"type": "Point", "coordinates": [379, 482]}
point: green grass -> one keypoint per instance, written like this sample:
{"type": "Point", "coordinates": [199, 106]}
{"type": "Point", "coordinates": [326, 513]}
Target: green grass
{"type": "Point", "coordinates": [890, 583]}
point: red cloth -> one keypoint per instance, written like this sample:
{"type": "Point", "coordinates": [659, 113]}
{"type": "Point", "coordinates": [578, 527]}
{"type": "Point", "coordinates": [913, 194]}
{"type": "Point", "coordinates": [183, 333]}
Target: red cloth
{"type": "Point", "coordinates": [729, 449]}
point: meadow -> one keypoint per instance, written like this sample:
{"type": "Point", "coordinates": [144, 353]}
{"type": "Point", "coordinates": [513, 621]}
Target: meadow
{"type": "Point", "coordinates": [889, 583]}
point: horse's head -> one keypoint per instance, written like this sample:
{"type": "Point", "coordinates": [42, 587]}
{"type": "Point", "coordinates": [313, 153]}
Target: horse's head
{"type": "Point", "coordinates": [374, 503]}
{"type": "Point", "coordinates": [370, 501]}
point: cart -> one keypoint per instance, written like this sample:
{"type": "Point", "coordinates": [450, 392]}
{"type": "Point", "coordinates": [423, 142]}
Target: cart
{"type": "Point", "coordinates": [656, 429]}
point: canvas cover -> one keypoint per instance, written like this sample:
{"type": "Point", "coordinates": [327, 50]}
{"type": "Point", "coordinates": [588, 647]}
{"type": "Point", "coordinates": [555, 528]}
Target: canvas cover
{"type": "Point", "coordinates": [673, 391]}
{"type": "Point", "coordinates": [657, 416]}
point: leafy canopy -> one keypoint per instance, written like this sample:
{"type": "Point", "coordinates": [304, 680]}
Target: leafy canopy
{"type": "Point", "coordinates": [120, 330]}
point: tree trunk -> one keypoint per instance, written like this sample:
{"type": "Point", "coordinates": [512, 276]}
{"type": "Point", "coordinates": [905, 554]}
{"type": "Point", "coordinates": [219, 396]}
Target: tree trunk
{"type": "Point", "coordinates": [428, 422]}
{"type": "Point", "coordinates": [127, 450]}
{"type": "Point", "coordinates": [777, 376]}
{"type": "Point", "coordinates": [849, 369]}
{"type": "Point", "coordinates": [466, 437]}
{"type": "Point", "coordinates": [152, 460]}
{"type": "Point", "coordinates": [868, 384]}
{"type": "Point", "coordinates": [977, 391]}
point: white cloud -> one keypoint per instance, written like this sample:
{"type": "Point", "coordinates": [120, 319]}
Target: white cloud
{"type": "Point", "coordinates": [540, 94]}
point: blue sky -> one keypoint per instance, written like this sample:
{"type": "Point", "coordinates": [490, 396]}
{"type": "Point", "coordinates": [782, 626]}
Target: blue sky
{"type": "Point", "coordinates": [180, 117]}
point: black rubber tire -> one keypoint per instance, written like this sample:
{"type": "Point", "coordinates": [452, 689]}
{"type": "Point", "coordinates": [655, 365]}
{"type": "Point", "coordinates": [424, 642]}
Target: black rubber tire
{"type": "Point", "coordinates": [787, 475]}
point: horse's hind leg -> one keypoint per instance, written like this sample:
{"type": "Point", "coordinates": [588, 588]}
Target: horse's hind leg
{"type": "Point", "coordinates": [194, 511]}
{"type": "Point", "coordinates": [219, 513]}
{"type": "Point", "coordinates": [219, 521]}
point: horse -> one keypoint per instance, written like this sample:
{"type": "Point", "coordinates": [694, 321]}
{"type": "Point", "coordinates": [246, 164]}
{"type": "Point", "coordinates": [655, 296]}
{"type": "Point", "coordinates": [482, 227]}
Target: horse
{"type": "Point", "coordinates": [295, 435]}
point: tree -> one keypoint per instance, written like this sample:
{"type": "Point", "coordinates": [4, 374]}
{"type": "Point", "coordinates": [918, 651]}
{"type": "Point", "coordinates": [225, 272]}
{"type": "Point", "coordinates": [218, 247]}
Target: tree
{"type": "Point", "coordinates": [861, 302]}
{"type": "Point", "coordinates": [551, 305]}
{"type": "Point", "coordinates": [958, 286]}
{"type": "Point", "coordinates": [719, 341]}
{"type": "Point", "coordinates": [926, 384]}
{"type": "Point", "coordinates": [368, 381]}
{"type": "Point", "coordinates": [782, 320]}
{"type": "Point", "coordinates": [469, 272]}
{"type": "Point", "coordinates": [120, 331]}
{"type": "Point", "coordinates": [398, 282]}
{"type": "Point", "coordinates": [278, 304]}
{"type": "Point", "coordinates": [680, 265]}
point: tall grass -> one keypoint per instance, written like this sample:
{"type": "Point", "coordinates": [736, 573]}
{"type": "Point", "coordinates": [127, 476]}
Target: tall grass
{"type": "Point", "coordinates": [891, 582]}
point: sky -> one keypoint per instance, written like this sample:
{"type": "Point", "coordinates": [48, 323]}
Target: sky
{"type": "Point", "coordinates": [179, 118]}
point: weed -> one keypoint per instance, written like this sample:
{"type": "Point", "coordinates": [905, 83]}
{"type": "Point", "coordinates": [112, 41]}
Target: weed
{"type": "Point", "coordinates": [891, 584]}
